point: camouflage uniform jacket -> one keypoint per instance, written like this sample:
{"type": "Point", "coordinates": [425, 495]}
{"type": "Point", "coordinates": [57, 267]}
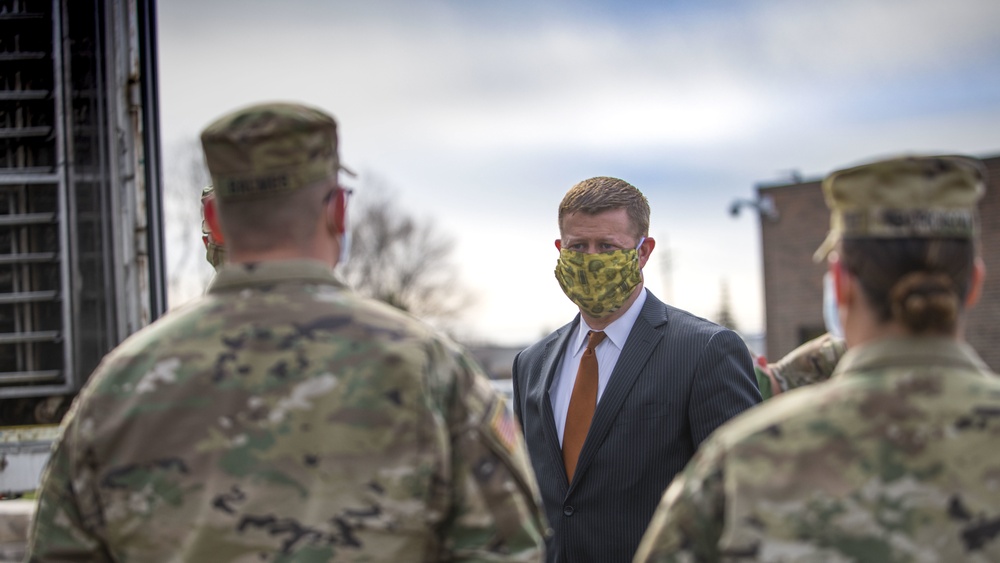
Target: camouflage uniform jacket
{"type": "Point", "coordinates": [895, 459]}
{"type": "Point", "coordinates": [810, 363]}
{"type": "Point", "coordinates": [283, 418]}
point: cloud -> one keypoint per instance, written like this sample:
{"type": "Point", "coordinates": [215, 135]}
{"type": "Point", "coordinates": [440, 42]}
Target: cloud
{"type": "Point", "coordinates": [522, 82]}
{"type": "Point", "coordinates": [483, 114]}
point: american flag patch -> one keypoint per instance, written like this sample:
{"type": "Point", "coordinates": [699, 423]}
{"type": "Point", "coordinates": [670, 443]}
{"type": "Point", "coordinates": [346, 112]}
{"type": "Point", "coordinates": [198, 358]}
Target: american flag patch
{"type": "Point", "coordinates": [503, 425]}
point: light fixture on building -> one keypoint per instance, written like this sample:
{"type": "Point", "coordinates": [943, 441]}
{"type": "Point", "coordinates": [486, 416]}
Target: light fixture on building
{"type": "Point", "coordinates": [764, 206]}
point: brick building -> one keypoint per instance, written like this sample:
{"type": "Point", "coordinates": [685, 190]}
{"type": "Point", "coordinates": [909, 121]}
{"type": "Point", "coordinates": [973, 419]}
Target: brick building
{"type": "Point", "coordinates": [793, 283]}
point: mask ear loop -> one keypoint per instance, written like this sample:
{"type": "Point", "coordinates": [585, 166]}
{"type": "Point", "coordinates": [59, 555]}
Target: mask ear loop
{"type": "Point", "coordinates": [638, 254]}
{"type": "Point", "coordinates": [831, 313]}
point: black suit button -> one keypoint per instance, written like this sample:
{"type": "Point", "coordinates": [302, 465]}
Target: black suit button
{"type": "Point", "coordinates": [568, 510]}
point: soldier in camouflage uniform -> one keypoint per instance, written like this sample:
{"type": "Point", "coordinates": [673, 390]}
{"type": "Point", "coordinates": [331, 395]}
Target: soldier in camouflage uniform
{"type": "Point", "coordinates": [281, 417]}
{"type": "Point", "coordinates": [811, 362]}
{"type": "Point", "coordinates": [895, 458]}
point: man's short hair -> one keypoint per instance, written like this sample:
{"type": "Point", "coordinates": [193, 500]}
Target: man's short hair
{"type": "Point", "coordinates": [603, 193]}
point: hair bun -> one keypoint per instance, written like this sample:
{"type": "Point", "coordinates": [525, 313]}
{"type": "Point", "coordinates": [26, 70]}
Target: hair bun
{"type": "Point", "coordinates": [925, 302]}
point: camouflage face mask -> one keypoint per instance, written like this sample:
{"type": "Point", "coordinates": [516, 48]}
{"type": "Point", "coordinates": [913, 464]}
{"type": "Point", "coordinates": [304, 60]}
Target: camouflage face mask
{"type": "Point", "coordinates": [214, 253]}
{"type": "Point", "coordinates": [599, 283]}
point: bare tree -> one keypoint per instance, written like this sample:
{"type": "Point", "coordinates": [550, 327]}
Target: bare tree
{"type": "Point", "coordinates": [395, 257]}
{"type": "Point", "coordinates": [401, 260]}
{"type": "Point", "coordinates": [725, 315]}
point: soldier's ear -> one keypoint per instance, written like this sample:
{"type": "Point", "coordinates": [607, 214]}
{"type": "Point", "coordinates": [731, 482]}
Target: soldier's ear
{"type": "Point", "coordinates": [340, 210]}
{"type": "Point", "coordinates": [335, 211]}
{"type": "Point", "coordinates": [212, 220]}
{"type": "Point", "coordinates": [976, 283]}
{"type": "Point", "coordinates": [841, 280]}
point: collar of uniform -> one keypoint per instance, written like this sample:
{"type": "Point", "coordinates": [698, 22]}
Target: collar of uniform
{"type": "Point", "coordinates": [617, 331]}
{"type": "Point", "coordinates": [911, 352]}
{"type": "Point", "coordinates": [239, 275]}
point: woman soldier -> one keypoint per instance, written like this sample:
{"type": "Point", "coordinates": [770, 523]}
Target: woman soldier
{"type": "Point", "coordinates": [895, 458]}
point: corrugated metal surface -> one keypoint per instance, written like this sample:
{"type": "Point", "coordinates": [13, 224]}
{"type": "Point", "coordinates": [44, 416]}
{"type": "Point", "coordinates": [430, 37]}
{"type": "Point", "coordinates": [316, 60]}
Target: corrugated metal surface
{"type": "Point", "coordinates": [80, 245]}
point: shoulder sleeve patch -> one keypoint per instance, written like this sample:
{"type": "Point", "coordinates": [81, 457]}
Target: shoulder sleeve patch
{"type": "Point", "coordinates": [503, 426]}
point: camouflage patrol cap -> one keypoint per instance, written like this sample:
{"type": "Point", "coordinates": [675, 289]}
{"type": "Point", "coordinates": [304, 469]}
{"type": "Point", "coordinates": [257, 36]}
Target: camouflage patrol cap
{"type": "Point", "coordinates": [906, 197]}
{"type": "Point", "coordinates": [270, 149]}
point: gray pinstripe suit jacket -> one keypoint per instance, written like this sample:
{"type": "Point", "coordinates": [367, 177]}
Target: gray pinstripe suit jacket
{"type": "Point", "coordinates": [678, 378]}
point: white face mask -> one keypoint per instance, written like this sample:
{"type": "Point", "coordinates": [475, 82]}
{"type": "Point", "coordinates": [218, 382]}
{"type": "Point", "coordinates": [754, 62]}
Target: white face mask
{"type": "Point", "coordinates": [345, 247]}
{"type": "Point", "coordinates": [345, 238]}
{"type": "Point", "coordinates": [831, 312]}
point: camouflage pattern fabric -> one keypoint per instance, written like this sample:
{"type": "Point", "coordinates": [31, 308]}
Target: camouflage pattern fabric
{"type": "Point", "coordinates": [810, 363]}
{"type": "Point", "coordinates": [598, 283]}
{"type": "Point", "coordinates": [270, 149]}
{"type": "Point", "coordinates": [894, 459]}
{"type": "Point", "coordinates": [214, 253]}
{"type": "Point", "coordinates": [282, 418]}
{"type": "Point", "coordinates": [908, 197]}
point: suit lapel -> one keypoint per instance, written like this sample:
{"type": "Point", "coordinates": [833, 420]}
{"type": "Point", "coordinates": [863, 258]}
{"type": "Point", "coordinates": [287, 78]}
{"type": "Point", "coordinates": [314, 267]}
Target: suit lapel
{"type": "Point", "coordinates": [553, 351]}
{"type": "Point", "coordinates": [642, 340]}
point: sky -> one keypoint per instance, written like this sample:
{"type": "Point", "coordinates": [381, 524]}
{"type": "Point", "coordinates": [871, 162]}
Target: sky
{"type": "Point", "coordinates": [479, 116]}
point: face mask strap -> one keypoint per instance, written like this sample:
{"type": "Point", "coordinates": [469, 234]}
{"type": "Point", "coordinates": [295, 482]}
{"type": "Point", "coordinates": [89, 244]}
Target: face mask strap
{"type": "Point", "coordinates": [831, 312]}
{"type": "Point", "coordinates": [638, 246]}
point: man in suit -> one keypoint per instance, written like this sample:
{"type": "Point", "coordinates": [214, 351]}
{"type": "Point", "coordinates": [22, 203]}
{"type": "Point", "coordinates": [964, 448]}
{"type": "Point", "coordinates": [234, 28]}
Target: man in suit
{"type": "Point", "coordinates": [606, 440]}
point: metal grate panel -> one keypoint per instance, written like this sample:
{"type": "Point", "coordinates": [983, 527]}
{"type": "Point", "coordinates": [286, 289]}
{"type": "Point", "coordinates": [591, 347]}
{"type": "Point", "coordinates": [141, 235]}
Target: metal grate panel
{"type": "Point", "coordinates": [33, 279]}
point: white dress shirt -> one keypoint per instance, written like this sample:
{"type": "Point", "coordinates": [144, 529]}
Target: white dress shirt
{"type": "Point", "coordinates": [607, 352]}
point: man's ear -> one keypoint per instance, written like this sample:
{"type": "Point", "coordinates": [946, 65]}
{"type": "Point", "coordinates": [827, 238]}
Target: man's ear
{"type": "Point", "coordinates": [559, 245]}
{"type": "Point", "coordinates": [212, 220]}
{"type": "Point", "coordinates": [646, 250]}
{"type": "Point", "coordinates": [976, 284]}
{"type": "Point", "coordinates": [843, 288]}
{"type": "Point", "coordinates": [336, 212]}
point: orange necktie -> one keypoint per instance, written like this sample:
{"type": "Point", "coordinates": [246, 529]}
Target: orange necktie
{"type": "Point", "coordinates": [581, 405]}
